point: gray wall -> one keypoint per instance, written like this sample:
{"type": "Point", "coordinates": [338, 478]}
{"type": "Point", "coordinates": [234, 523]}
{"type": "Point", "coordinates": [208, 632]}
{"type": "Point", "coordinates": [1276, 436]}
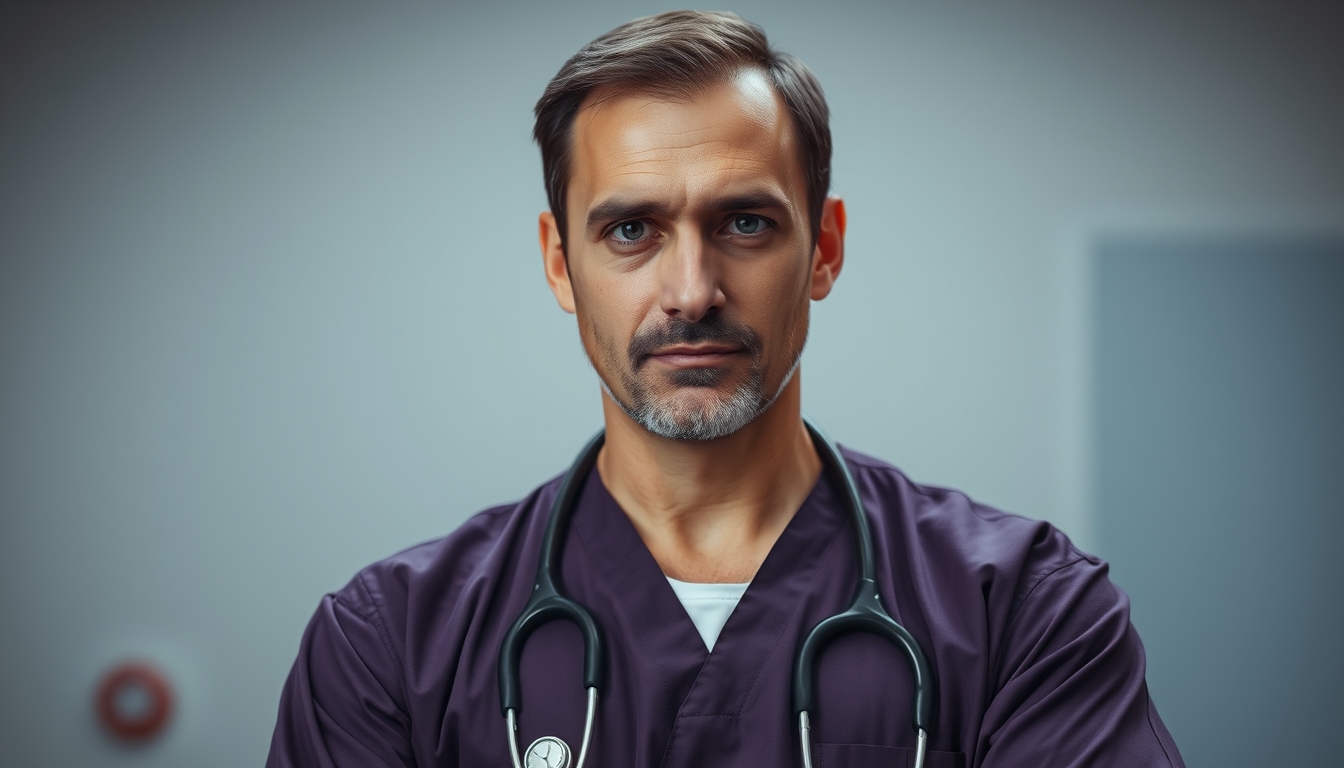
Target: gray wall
{"type": "Point", "coordinates": [1220, 430]}
{"type": "Point", "coordinates": [271, 305]}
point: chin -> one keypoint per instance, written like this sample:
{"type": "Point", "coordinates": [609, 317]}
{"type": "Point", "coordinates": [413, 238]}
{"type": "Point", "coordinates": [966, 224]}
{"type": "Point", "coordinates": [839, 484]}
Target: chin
{"type": "Point", "coordinates": [698, 416]}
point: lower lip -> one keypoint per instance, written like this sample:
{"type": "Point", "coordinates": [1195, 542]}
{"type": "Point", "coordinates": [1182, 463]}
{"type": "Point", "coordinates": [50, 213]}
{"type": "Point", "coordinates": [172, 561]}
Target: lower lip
{"type": "Point", "coordinates": [709, 360]}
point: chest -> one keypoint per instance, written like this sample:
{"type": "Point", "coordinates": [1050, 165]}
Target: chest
{"type": "Point", "coordinates": [667, 702]}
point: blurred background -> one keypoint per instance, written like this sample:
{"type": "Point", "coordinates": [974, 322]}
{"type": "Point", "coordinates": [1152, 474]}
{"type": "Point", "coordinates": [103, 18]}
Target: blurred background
{"type": "Point", "coordinates": [271, 308]}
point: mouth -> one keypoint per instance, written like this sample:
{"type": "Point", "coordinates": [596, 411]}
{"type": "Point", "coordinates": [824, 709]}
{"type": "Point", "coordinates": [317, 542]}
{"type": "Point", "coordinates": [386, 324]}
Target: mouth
{"type": "Point", "coordinates": [695, 355]}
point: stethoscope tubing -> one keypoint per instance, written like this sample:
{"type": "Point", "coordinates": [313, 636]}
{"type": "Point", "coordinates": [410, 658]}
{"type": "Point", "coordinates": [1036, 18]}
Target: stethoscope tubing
{"type": "Point", "coordinates": [864, 614]}
{"type": "Point", "coordinates": [546, 603]}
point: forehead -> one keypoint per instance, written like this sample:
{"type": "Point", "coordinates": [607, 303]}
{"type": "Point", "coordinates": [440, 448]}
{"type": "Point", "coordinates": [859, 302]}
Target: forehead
{"type": "Point", "coordinates": [732, 134]}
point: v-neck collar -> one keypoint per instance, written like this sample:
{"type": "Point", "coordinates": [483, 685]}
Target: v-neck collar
{"type": "Point", "coordinates": [721, 683]}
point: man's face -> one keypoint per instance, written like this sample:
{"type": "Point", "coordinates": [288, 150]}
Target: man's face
{"type": "Point", "coordinates": [689, 257]}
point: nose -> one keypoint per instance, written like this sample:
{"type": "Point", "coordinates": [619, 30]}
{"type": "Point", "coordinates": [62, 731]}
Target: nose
{"type": "Point", "coordinates": [690, 279]}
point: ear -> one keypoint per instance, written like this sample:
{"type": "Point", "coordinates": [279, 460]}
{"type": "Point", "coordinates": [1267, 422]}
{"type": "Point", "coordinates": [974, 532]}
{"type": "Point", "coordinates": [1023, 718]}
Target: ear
{"type": "Point", "coordinates": [554, 262]}
{"type": "Point", "coordinates": [829, 255]}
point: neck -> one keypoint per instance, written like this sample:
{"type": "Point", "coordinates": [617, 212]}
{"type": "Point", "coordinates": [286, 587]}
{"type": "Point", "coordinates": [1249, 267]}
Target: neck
{"type": "Point", "coordinates": [710, 511]}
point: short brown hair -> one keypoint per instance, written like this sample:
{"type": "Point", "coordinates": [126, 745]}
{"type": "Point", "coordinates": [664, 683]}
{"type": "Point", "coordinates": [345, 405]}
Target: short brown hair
{"type": "Point", "coordinates": [678, 53]}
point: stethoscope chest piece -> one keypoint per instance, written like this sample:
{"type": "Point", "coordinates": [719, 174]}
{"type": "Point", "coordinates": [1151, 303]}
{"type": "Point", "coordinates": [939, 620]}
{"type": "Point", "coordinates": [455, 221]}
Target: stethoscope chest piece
{"type": "Point", "coordinates": [547, 752]}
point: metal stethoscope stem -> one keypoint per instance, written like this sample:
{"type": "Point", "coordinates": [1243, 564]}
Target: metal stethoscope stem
{"type": "Point", "coordinates": [511, 717]}
{"type": "Point", "coordinates": [864, 614]}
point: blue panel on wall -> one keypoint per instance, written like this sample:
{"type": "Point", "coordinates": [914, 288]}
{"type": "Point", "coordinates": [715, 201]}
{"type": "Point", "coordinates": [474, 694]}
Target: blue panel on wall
{"type": "Point", "coordinates": [1220, 482]}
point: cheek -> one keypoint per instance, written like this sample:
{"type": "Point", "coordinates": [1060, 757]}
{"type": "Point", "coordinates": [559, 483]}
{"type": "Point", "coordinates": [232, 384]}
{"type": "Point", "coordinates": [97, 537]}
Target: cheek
{"type": "Point", "coordinates": [792, 323]}
{"type": "Point", "coordinates": [780, 306]}
{"type": "Point", "coordinates": [609, 311]}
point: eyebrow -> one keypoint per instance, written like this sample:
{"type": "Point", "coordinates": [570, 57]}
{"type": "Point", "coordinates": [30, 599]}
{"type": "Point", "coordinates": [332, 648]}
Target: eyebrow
{"type": "Point", "coordinates": [618, 209]}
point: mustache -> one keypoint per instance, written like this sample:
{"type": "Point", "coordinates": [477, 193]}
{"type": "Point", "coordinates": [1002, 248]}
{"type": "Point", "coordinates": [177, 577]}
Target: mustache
{"type": "Point", "coordinates": [713, 328]}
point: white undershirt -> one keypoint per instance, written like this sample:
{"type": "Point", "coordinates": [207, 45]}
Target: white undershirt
{"type": "Point", "coordinates": [708, 605]}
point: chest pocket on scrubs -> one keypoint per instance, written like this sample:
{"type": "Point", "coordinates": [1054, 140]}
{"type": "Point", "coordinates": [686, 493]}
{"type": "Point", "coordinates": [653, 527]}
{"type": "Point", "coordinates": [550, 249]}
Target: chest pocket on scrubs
{"type": "Point", "coordinates": [873, 756]}
{"type": "Point", "coordinates": [864, 708]}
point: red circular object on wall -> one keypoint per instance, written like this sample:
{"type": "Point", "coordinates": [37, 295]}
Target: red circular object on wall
{"type": "Point", "coordinates": [134, 680]}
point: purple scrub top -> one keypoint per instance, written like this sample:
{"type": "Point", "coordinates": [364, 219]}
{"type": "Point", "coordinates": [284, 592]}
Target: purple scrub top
{"type": "Point", "coordinates": [1030, 643]}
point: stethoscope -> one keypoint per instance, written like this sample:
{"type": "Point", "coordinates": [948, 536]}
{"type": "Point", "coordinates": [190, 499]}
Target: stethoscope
{"type": "Point", "coordinates": [865, 614]}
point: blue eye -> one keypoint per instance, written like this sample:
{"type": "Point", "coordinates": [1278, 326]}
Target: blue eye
{"type": "Point", "coordinates": [747, 224]}
{"type": "Point", "coordinates": [630, 231]}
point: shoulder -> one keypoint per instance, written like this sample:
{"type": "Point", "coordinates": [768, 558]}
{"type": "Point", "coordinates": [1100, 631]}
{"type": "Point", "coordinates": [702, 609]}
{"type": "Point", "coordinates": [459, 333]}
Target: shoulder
{"type": "Point", "coordinates": [435, 580]}
{"type": "Point", "coordinates": [957, 537]}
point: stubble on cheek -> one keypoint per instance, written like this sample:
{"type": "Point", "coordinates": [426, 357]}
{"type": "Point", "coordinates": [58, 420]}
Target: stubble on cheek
{"type": "Point", "coordinates": [604, 353]}
{"type": "Point", "coordinates": [784, 359]}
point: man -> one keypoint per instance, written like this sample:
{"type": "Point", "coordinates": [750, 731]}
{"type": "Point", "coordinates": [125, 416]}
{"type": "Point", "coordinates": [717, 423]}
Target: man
{"type": "Point", "coordinates": [687, 167]}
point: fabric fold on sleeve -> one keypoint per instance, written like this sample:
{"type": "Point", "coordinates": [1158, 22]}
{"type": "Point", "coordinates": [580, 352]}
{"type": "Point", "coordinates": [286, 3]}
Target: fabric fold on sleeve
{"type": "Point", "coordinates": [1072, 689]}
{"type": "Point", "coordinates": [341, 704]}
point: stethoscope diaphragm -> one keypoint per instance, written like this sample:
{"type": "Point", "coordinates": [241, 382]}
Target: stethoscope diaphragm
{"type": "Point", "coordinates": [547, 752]}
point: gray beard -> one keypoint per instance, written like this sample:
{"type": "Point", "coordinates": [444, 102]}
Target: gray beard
{"type": "Point", "coordinates": [720, 419]}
